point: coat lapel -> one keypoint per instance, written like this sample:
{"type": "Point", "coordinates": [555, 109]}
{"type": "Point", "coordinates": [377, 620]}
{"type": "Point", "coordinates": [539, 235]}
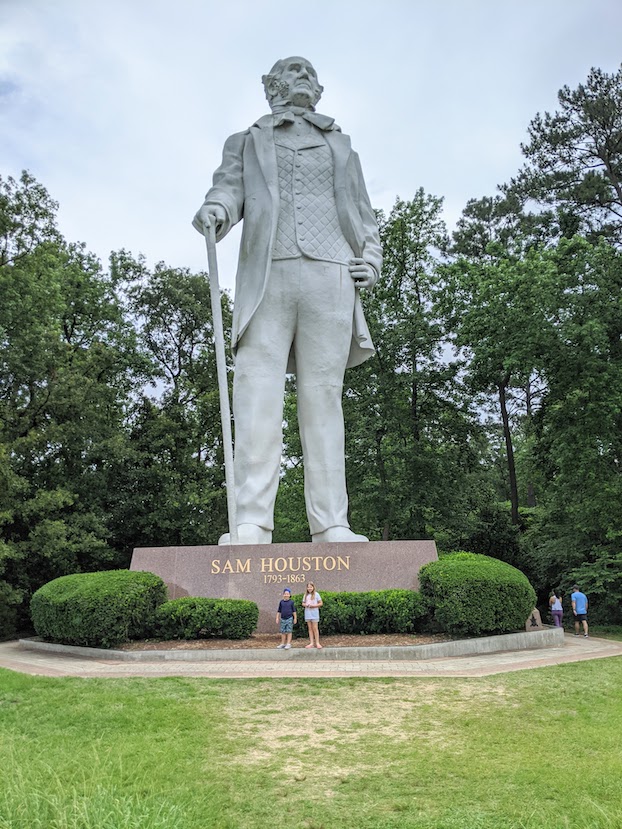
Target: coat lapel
{"type": "Point", "coordinates": [262, 133]}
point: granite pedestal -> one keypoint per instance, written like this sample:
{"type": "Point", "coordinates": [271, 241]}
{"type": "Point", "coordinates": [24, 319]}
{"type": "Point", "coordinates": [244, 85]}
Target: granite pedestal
{"type": "Point", "coordinates": [261, 572]}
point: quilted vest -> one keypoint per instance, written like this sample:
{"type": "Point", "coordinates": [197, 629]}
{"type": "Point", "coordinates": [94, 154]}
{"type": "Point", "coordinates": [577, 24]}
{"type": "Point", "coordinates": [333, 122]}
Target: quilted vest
{"type": "Point", "coordinates": [308, 223]}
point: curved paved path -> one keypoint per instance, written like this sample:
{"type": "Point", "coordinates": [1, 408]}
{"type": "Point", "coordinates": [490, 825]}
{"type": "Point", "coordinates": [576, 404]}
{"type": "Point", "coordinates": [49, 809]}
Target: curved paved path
{"type": "Point", "coordinates": [574, 649]}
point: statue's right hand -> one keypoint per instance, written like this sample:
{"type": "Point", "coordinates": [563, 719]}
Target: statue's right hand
{"type": "Point", "coordinates": [209, 215]}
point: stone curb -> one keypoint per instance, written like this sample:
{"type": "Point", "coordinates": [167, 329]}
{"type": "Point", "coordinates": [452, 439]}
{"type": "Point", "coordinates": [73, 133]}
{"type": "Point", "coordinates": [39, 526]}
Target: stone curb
{"type": "Point", "coordinates": [551, 637]}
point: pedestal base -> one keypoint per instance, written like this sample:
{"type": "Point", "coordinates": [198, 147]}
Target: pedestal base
{"type": "Point", "coordinates": [261, 572]}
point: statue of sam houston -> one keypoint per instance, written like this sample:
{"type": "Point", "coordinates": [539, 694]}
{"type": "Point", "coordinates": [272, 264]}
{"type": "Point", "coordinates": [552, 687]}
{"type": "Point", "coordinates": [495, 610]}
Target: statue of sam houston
{"type": "Point", "coordinates": [309, 243]}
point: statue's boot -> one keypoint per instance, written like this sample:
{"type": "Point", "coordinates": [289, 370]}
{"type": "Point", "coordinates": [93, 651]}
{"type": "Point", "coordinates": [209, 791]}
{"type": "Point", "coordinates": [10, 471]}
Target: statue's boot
{"type": "Point", "coordinates": [248, 534]}
{"type": "Point", "coordinates": [337, 534]}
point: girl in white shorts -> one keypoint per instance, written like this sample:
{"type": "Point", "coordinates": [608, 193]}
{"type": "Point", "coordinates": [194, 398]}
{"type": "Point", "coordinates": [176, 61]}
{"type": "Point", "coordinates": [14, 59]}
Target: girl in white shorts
{"type": "Point", "coordinates": [312, 602]}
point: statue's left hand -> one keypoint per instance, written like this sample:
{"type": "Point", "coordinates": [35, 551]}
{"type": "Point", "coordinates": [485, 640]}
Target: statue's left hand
{"type": "Point", "coordinates": [362, 273]}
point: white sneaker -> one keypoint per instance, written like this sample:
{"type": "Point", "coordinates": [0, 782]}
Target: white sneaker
{"type": "Point", "coordinates": [337, 534]}
{"type": "Point", "coordinates": [248, 534]}
{"type": "Point", "coordinates": [287, 647]}
{"type": "Point", "coordinates": [278, 647]}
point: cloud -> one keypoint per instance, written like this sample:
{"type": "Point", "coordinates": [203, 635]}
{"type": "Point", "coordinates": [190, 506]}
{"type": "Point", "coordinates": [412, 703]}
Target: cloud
{"type": "Point", "coordinates": [8, 87]}
{"type": "Point", "coordinates": [121, 109]}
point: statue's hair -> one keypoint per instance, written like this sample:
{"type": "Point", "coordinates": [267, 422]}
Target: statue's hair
{"type": "Point", "coordinates": [276, 89]}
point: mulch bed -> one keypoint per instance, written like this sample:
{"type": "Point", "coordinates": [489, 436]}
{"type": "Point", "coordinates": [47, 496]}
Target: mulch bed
{"type": "Point", "coordinates": [271, 640]}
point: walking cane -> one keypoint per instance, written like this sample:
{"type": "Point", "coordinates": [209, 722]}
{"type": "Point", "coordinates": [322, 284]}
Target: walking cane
{"type": "Point", "coordinates": [223, 386]}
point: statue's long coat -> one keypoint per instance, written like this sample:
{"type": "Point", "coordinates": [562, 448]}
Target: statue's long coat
{"type": "Point", "coordinates": [246, 185]}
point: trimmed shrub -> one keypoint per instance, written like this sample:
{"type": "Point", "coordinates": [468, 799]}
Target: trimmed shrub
{"type": "Point", "coordinates": [376, 611]}
{"type": "Point", "coordinates": [9, 601]}
{"type": "Point", "coordinates": [98, 609]}
{"type": "Point", "coordinates": [395, 611]}
{"type": "Point", "coordinates": [199, 618]}
{"type": "Point", "coordinates": [473, 594]}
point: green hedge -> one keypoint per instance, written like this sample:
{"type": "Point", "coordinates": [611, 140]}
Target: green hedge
{"type": "Point", "coordinates": [473, 594]}
{"type": "Point", "coordinates": [376, 611]}
{"type": "Point", "coordinates": [198, 618]}
{"type": "Point", "coordinates": [98, 609]}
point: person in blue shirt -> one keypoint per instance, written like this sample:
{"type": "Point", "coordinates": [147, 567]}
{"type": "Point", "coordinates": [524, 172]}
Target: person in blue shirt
{"type": "Point", "coordinates": [286, 619]}
{"type": "Point", "coordinates": [579, 608]}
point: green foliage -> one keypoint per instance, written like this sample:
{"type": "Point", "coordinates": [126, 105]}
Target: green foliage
{"type": "Point", "coordinates": [498, 377]}
{"type": "Point", "coordinates": [169, 482]}
{"type": "Point", "coordinates": [200, 618]}
{"type": "Point", "coordinates": [66, 368]}
{"type": "Point", "coordinates": [607, 631]}
{"type": "Point", "coordinates": [90, 465]}
{"type": "Point", "coordinates": [376, 611]}
{"type": "Point", "coordinates": [475, 595]}
{"type": "Point", "coordinates": [574, 156]}
{"type": "Point", "coordinates": [601, 580]}
{"type": "Point", "coordinates": [27, 217]}
{"type": "Point", "coordinates": [98, 609]}
{"type": "Point", "coordinates": [409, 427]}
{"type": "Point", "coordinates": [10, 599]}
{"type": "Point", "coordinates": [492, 533]}
{"type": "Point", "coordinates": [541, 329]}
{"type": "Point", "coordinates": [496, 307]}
{"type": "Point", "coordinates": [578, 429]}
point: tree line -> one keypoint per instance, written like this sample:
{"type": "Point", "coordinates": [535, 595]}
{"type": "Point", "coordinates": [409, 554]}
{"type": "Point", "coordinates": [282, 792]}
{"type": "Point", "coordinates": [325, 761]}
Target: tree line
{"type": "Point", "coordinates": [490, 418]}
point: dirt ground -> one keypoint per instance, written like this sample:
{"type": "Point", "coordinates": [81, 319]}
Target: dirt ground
{"type": "Point", "coordinates": [271, 640]}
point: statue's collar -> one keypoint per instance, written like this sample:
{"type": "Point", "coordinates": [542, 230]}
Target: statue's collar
{"type": "Point", "coordinates": [286, 115]}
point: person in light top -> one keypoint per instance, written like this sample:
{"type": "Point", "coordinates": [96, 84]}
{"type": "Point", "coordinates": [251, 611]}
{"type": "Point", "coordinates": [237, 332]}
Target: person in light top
{"type": "Point", "coordinates": [557, 611]}
{"type": "Point", "coordinates": [312, 602]}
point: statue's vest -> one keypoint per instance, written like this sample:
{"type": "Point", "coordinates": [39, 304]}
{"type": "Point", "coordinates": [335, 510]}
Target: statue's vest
{"type": "Point", "coordinates": [308, 223]}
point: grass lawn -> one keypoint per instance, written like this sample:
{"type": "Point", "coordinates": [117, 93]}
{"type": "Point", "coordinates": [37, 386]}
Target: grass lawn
{"type": "Point", "coordinates": [535, 749]}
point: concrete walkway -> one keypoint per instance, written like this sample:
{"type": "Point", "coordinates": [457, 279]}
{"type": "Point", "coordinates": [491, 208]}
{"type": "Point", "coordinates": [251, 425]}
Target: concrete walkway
{"type": "Point", "coordinates": [574, 649]}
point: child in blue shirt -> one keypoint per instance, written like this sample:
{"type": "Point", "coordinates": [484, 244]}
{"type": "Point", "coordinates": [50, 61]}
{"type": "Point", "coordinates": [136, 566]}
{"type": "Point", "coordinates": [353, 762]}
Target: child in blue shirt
{"type": "Point", "coordinates": [286, 619]}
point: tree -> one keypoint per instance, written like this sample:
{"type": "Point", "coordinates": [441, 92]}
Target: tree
{"type": "Point", "coordinates": [172, 489]}
{"type": "Point", "coordinates": [578, 430]}
{"type": "Point", "coordinates": [493, 299]}
{"type": "Point", "coordinates": [66, 370]}
{"type": "Point", "coordinates": [411, 440]}
{"type": "Point", "coordinates": [27, 217]}
{"type": "Point", "coordinates": [574, 157]}
{"type": "Point", "coordinates": [91, 464]}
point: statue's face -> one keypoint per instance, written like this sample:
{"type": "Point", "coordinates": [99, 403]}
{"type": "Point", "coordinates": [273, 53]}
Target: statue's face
{"type": "Point", "coordinates": [298, 82]}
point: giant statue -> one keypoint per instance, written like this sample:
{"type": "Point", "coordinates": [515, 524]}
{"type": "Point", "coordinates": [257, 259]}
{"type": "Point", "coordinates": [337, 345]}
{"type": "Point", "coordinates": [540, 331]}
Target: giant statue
{"type": "Point", "coordinates": [309, 244]}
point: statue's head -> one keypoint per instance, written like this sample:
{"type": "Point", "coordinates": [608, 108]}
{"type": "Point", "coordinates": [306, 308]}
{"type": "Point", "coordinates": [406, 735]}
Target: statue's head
{"type": "Point", "coordinates": [292, 81]}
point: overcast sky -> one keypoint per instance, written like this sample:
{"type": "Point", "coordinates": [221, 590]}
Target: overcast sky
{"type": "Point", "coordinates": [121, 107]}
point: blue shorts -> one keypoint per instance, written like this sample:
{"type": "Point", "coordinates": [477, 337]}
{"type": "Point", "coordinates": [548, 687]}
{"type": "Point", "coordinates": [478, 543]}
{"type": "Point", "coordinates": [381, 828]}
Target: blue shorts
{"type": "Point", "coordinates": [287, 625]}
